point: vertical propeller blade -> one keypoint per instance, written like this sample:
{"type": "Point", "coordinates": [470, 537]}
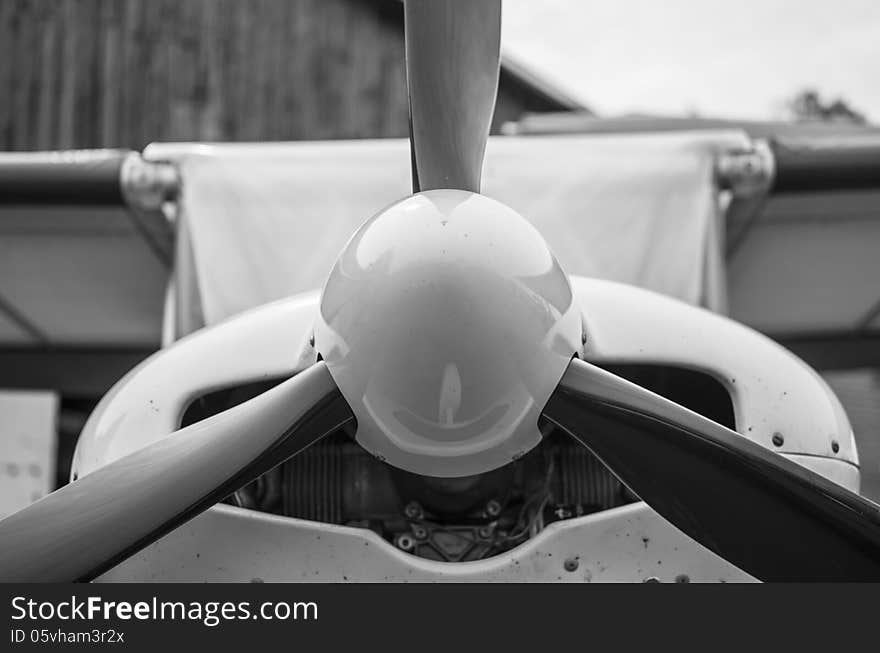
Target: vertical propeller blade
{"type": "Point", "coordinates": [452, 63]}
{"type": "Point", "coordinates": [78, 532]}
{"type": "Point", "coordinates": [758, 510]}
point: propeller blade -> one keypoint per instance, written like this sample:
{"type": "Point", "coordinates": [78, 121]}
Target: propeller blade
{"type": "Point", "coordinates": [453, 53]}
{"type": "Point", "coordinates": [765, 514]}
{"type": "Point", "coordinates": [92, 524]}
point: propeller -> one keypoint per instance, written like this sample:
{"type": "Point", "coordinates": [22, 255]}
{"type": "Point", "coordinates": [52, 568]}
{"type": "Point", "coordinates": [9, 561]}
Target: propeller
{"type": "Point", "coordinates": [88, 526]}
{"type": "Point", "coordinates": [765, 514]}
{"type": "Point", "coordinates": [452, 64]}
{"type": "Point", "coordinates": [444, 327]}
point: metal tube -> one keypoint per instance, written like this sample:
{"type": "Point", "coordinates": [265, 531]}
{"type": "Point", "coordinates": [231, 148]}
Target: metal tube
{"type": "Point", "coordinates": [74, 177]}
{"type": "Point", "coordinates": [826, 164]}
{"type": "Point", "coordinates": [85, 177]}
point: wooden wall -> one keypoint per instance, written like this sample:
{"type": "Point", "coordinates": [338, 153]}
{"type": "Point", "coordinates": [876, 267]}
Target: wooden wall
{"type": "Point", "coordinates": [123, 73]}
{"type": "Point", "coordinates": [88, 73]}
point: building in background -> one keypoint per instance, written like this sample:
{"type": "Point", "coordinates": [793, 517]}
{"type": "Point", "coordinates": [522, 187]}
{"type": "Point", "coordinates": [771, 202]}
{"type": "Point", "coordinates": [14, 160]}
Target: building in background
{"type": "Point", "coordinates": [104, 73]}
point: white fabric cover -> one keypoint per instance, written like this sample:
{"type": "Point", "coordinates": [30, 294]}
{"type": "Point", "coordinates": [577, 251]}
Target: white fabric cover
{"type": "Point", "coordinates": [268, 220]}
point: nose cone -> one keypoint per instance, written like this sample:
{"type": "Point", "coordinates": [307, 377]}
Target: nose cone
{"type": "Point", "coordinates": [447, 323]}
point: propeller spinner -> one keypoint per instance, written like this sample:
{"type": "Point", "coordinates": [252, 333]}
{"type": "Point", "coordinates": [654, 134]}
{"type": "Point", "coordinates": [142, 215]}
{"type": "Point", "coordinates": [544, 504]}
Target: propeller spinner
{"type": "Point", "coordinates": [447, 323]}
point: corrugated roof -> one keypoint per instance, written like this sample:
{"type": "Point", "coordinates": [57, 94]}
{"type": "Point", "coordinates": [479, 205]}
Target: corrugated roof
{"type": "Point", "coordinates": [541, 86]}
{"type": "Point", "coordinates": [588, 123]}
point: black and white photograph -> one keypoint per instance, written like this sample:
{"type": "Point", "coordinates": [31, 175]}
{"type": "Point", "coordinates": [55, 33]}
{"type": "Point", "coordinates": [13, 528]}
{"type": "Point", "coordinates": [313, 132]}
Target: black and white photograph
{"type": "Point", "coordinates": [367, 292]}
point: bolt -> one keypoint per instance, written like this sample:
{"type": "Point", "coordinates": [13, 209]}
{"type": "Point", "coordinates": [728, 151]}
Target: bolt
{"type": "Point", "coordinates": [405, 542]}
{"type": "Point", "coordinates": [420, 532]}
{"type": "Point", "coordinates": [571, 564]}
{"type": "Point", "coordinates": [651, 579]}
{"type": "Point", "coordinates": [493, 508]}
{"type": "Point", "coordinates": [413, 510]}
{"type": "Point", "coordinates": [485, 532]}
{"type": "Point", "coordinates": [778, 440]}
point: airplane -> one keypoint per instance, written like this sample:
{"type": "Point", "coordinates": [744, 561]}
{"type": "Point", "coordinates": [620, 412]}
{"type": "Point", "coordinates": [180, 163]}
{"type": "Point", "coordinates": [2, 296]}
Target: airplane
{"type": "Point", "coordinates": [449, 345]}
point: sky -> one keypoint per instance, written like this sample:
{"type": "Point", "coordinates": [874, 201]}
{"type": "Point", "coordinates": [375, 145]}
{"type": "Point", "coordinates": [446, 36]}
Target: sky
{"type": "Point", "coordinates": [718, 58]}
